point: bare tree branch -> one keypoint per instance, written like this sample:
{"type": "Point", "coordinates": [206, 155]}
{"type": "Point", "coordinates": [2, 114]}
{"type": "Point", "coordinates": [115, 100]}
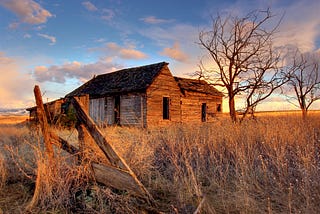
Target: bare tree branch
{"type": "Point", "coordinates": [246, 62]}
{"type": "Point", "coordinates": [304, 78]}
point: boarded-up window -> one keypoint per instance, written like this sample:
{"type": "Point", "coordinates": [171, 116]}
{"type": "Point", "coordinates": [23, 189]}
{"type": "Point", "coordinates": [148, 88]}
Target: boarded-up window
{"type": "Point", "coordinates": [165, 108]}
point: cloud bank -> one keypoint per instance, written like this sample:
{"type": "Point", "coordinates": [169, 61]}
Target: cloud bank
{"type": "Point", "coordinates": [301, 25]}
{"type": "Point", "coordinates": [28, 11]}
{"type": "Point", "coordinates": [112, 49]}
{"type": "Point", "coordinates": [15, 86]}
{"type": "Point", "coordinates": [175, 53]}
{"type": "Point", "coordinates": [73, 70]}
{"type": "Point", "coordinates": [89, 6]}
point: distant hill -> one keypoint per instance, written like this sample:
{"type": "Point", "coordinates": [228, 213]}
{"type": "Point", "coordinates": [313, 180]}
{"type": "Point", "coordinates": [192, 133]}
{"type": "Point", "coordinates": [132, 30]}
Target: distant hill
{"type": "Point", "coordinates": [13, 111]}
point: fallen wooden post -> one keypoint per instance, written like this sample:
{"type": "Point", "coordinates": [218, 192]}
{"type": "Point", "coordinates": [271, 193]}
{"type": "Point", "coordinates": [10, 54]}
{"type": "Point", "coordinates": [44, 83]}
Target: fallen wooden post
{"type": "Point", "coordinates": [118, 174]}
{"type": "Point", "coordinates": [63, 144]}
{"type": "Point", "coordinates": [96, 134]}
{"type": "Point", "coordinates": [112, 171]}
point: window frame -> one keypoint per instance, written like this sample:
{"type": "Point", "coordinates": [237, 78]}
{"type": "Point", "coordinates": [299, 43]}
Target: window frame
{"type": "Point", "coordinates": [166, 108]}
{"type": "Point", "coordinates": [204, 108]}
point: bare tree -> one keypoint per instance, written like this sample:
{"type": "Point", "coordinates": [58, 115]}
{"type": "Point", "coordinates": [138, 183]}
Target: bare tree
{"type": "Point", "coordinates": [304, 79]}
{"type": "Point", "coordinates": [247, 63]}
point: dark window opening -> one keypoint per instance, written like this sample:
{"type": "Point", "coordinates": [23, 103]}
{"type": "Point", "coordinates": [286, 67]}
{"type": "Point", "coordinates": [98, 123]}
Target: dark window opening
{"type": "Point", "coordinates": [165, 108]}
{"type": "Point", "coordinates": [117, 110]}
{"type": "Point", "coordinates": [218, 107]}
{"type": "Point", "coordinates": [204, 112]}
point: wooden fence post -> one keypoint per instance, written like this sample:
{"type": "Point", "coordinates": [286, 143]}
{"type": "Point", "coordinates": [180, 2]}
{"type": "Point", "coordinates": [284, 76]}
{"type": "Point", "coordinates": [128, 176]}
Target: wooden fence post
{"type": "Point", "coordinates": [43, 123]}
{"type": "Point", "coordinates": [118, 174]}
{"type": "Point", "coordinates": [112, 171]}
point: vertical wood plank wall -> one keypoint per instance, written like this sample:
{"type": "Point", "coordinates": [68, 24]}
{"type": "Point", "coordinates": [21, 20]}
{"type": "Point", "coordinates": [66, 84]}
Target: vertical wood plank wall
{"type": "Point", "coordinates": [146, 109]}
{"type": "Point", "coordinates": [163, 86]}
{"type": "Point", "coordinates": [191, 106]}
{"type": "Point", "coordinates": [96, 110]}
{"type": "Point", "coordinates": [109, 110]}
{"type": "Point", "coordinates": [132, 110]}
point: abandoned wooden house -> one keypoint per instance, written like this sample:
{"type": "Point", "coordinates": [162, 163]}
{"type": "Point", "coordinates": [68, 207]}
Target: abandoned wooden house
{"type": "Point", "coordinates": [143, 96]}
{"type": "Point", "coordinates": [149, 96]}
{"type": "Point", "coordinates": [53, 110]}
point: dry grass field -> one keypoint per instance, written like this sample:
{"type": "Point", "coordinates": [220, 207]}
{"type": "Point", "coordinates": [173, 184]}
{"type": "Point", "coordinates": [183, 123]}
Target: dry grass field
{"type": "Point", "coordinates": [267, 165]}
{"type": "Point", "coordinates": [13, 119]}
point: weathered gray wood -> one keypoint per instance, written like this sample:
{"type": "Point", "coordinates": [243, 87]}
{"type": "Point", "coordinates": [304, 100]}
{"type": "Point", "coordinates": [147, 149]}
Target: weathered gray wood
{"type": "Point", "coordinates": [48, 146]}
{"type": "Point", "coordinates": [43, 122]}
{"type": "Point", "coordinates": [117, 178]}
{"type": "Point", "coordinates": [97, 110]}
{"type": "Point", "coordinates": [86, 144]}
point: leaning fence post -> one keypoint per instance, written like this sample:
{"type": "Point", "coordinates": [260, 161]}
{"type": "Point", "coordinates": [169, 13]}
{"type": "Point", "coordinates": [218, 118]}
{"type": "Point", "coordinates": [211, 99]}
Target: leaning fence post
{"type": "Point", "coordinates": [48, 146]}
{"type": "Point", "coordinates": [43, 123]}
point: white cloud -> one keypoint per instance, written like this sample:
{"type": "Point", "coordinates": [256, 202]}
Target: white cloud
{"type": "Point", "coordinates": [107, 14]}
{"type": "Point", "coordinates": [154, 20]}
{"type": "Point", "coordinates": [39, 27]}
{"type": "Point", "coordinates": [89, 6]}
{"type": "Point", "coordinates": [73, 70]}
{"type": "Point", "coordinates": [51, 38]}
{"type": "Point", "coordinates": [301, 25]}
{"type": "Point", "coordinates": [15, 87]}
{"type": "Point", "coordinates": [183, 33]}
{"type": "Point", "coordinates": [112, 49]}
{"type": "Point", "coordinates": [27, 36]}
{"type": "Point", "coordinates": [28, 11]}
{"type": "Point", "coordinates": [175, 53]}
{"type": "Point", "coordinates": [14, 25]}
{"type": "Point", "coordinates": [100, 40]}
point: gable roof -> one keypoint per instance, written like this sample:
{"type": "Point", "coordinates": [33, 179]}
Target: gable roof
{"type": "Point", "coordinates": [196, 85]}
{"type": "Point", "coordinates": [122, 81]}
{"type": "Point", "coordinates": [137, 79]}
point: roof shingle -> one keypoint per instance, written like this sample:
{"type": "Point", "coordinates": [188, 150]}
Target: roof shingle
{"type": "Point", "coordinates": [195, 85]}
{"type": "Point", "coordinates": [137, 79]}
{"type": "Point", "coordinates": [122, 81]}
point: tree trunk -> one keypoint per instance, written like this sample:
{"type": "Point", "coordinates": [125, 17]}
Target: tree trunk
{"type": "Point", "coordinates": [232, 109]}
{"type": "Point", "coordinates": [303, 107]}
{"type": "Point", "coordinates": [304, 113]}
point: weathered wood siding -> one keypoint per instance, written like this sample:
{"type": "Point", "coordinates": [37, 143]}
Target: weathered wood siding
{"type": "Point", "coordinates": [53, 110]}
{"type": "Point", "coordinates": [191, 104]}
{"type": "Point", "coordinates": [97, 110]}
{"type": "Point", "coordinates": [84, 100]}
{"type": "Point", "coordinates": [132, 110]}
{"type": "Point", "coordinates": [163, 86]}
{"type": "Point", "coordinates": [109, 110]}
{"type": "Point", "coordinates": [147, 110]}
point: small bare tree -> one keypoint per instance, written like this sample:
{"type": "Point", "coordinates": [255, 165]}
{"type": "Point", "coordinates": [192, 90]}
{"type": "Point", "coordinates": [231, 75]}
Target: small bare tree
{"type": "Point", "coordinates": [304, 79]}
{"type": "Point", "coordinates": [247, 63]}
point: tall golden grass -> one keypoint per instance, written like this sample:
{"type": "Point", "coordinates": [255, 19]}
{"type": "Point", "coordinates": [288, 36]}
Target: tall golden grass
{"type": "Point", "coordinates": [266, 165]}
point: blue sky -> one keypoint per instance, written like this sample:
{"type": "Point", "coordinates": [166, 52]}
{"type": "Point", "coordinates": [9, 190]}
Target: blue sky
{"type": "Point", "coordinates": [61, 44]}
